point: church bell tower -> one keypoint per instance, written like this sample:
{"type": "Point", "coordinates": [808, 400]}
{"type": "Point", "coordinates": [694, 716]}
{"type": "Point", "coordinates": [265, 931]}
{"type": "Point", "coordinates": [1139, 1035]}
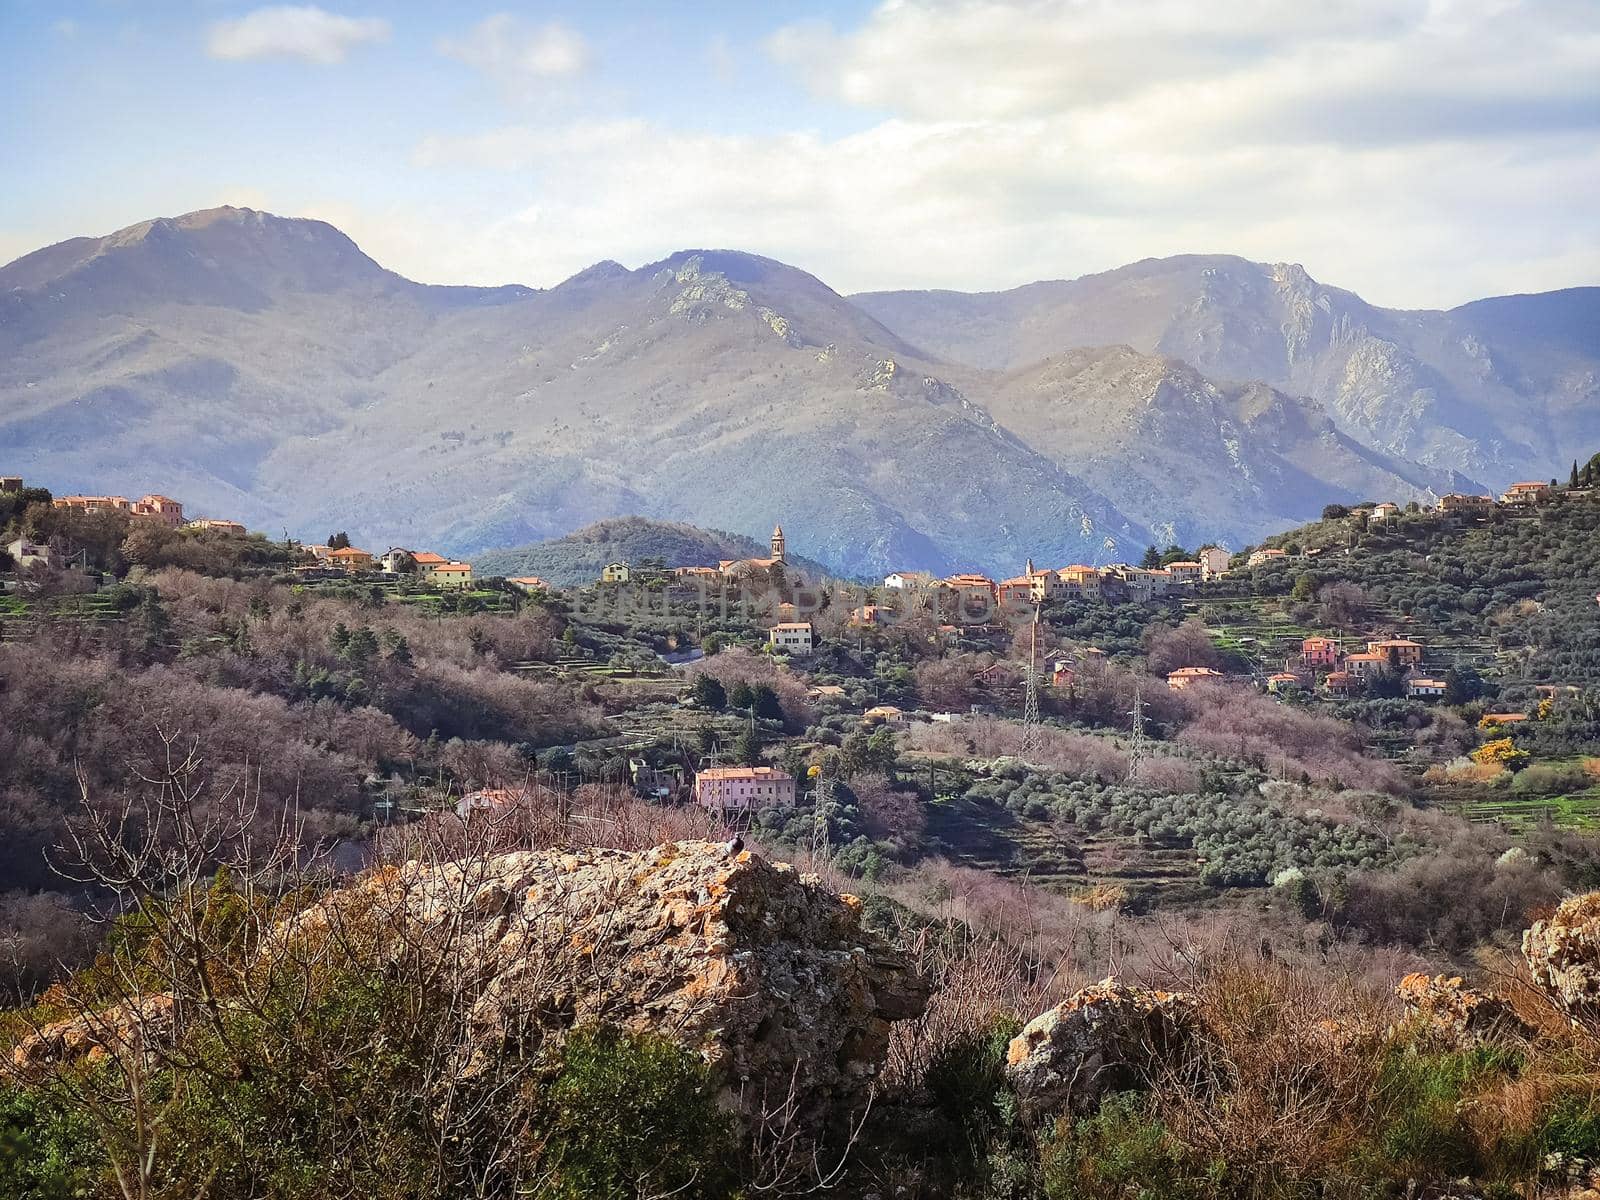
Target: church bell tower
{"type": "Point", "coordinates": [777, 542]}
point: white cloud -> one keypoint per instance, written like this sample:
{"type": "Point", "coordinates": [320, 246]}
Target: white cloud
{"type": "Point", "coordinates": [294, 31]}
{"type": "Point", "coordinates": [1422, 153]}
{"type": "Point", "coordinates": [518, 55]}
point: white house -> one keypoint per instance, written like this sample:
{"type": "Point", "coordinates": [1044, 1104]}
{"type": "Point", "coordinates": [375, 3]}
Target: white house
{"type": "Point", "coordinates": [792, 637]}
{"type": "Point", "coordinates": [27, 554]}
{"type": "Point", "coordinates": [908, 579]}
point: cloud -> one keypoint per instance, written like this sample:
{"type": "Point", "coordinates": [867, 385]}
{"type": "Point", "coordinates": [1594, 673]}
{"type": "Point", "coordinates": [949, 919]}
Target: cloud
{"type": "Point", "coordinates": [518, 55]}
{"type": "Point", "coordinates": [293, 31]}
{"type": "Point", "coordinates": [1422, 153]}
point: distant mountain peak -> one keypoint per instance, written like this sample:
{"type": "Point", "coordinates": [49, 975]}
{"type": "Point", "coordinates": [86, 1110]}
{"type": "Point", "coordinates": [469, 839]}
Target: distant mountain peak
{"type": "Point", "coordinates": [604, 271]}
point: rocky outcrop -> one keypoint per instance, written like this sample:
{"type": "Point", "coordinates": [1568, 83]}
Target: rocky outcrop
{"type": "Point", "coordinates": [1105, 1038]}
{"type": "Point", "coordinates": [1441, 1010]}
{"type": "Point", "coordinates": [1563, 956]}
{"type": "Point", "coordinates": [760, 970]}
{"type": "Point", "coordinates": [126, 1028]}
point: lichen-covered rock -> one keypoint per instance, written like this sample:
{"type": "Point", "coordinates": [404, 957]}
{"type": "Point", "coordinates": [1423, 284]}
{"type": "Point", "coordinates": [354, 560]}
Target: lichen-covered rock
{"type": "Point", "coordinates": [765, 973]}
{"type": "Point", "coordinates": [1563, 956]}
{"type": "Point", "coordinates": [1105, 1038]}
{"type": "Point", "coordinates": [1445, 1012]}
{"type": "Point", "coordinates": [762, 971]}
{"type": "Point", "coordinates": [125, 1028]}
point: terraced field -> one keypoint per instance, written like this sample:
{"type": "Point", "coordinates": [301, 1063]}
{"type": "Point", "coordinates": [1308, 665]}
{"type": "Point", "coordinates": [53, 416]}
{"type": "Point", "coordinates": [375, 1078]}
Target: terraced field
{"type": "Point", "coordinates": [1579, 810]}
{"type": "Point", "coordinates": [1064, 859]}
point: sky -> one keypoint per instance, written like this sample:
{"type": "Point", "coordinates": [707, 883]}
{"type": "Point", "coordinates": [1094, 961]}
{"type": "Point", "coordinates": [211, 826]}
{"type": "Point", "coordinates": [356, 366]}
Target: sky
{"type": "Point", "coordinates": [1420, 152]}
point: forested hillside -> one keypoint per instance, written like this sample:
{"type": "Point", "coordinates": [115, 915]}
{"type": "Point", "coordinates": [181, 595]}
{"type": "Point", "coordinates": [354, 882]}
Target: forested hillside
{"type": "Point", "coordinates": [1524, 585]}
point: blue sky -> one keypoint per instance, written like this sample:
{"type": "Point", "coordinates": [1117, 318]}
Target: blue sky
{"type": "Point", "coordinates": [1422, 152]}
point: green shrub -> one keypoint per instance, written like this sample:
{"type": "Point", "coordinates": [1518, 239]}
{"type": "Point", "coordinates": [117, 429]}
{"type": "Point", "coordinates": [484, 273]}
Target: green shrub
{"type": "Point", "coordinates": [1120, 1153]}
{"type": "Point", "coordinates": [1572, 1129]}
{"type": "Point", "coordinates": [45, 1152]}
{"type": "Point", "coordinates": [1422, 1129]}
{"type": "Point", "coordinates": [632, 1115]}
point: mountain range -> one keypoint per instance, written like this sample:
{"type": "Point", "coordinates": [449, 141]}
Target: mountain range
{"type": "Point", "coordinates": [265, 368]}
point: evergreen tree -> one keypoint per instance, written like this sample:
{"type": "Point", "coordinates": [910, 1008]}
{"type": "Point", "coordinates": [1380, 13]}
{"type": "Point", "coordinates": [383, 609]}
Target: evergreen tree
{"type": "Point", "coordinates": [747, 747]}
{"type": "Point", "coordinates": [766, 703]}
{"type": "Point", "coordinates": [708, 692]}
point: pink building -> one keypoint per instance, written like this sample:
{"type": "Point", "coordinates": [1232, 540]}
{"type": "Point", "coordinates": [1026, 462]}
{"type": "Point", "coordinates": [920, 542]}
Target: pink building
{"type": "Point", "coordinates": [162, 509]}
{"type": "Point", "coordinates": [743, 788]}
{"type": "Point", "coordinates": [1319, 652]}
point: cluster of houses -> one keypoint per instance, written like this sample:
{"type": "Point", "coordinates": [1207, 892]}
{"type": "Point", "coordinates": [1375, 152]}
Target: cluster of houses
{"type": "Point", "coordinates": [726, 569]}
{"type": "Point", "coordinates": [435, 569]}
{"type": "Point", "coordinates": [1518, 495]}
{"type": "Point", "coordinates": [1035, 585]}
{"type": "Point", "coordinates": [1345, 673]}
{"type": "Point", "coordinates": [153, 508]}
{"type": "Point", "coordinates": [1340, 672]}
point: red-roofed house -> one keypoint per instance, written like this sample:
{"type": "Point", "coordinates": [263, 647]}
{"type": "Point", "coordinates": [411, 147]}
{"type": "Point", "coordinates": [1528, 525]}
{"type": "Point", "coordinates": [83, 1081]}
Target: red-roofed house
{"type": "Point", "coordinates": [350, 559]}
{"type": "Point", "coordinates": [735, 789]}
{"type": "Point", "coordinates": [1319, 652]}
{"type": "Point", "coordinates": [1403, 651]}
{"type": "Point", "coordinates": [449, 574]}
{"type": "Point", "coordinates": [1522, 494]}
{"type": "Point", "coordinates": [1184, 676]}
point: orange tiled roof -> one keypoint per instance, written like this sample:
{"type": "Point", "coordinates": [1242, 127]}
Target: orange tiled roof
{"type": "Point", "coordinates": [744, 773]}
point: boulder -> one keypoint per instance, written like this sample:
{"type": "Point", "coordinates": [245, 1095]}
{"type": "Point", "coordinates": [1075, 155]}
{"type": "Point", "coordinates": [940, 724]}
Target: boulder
{"type": "Point", "coordinates": [1106, 1038]}
{"type": "Point", "coordinates": [1446, 1013]}
{"type": "Point", "coordinates": [764, 973]}
{"type": "Point", "coordinates": [1563, 956]}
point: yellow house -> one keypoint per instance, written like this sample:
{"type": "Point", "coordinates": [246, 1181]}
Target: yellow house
{"type": "Point", "coordinates": [350, 559]}
{"type": "Point", "coordinates": [449, 575]}
{"type": "Point", "coordinates": [617, 572]}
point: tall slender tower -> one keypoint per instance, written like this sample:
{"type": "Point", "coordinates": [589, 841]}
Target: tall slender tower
{"type": "Point", "coordinates": [819, 821]}
{"type": "Point", "coordinates": [1136, 747]}
{"type": "Point", "coordinates": [1030, 703]}
{"type": "Point", "coordinates": [777, 542]}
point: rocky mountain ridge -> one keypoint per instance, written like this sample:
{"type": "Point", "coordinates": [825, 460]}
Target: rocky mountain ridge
{"type": "Point", "coordinates": [229, 357]}
{"type": "Point", "coordinates": [1500, 388]}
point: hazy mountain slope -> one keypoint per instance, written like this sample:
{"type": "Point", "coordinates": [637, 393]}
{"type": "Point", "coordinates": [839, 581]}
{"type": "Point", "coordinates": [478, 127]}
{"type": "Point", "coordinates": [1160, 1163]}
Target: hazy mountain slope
{"type": "Point", "coordinates": [267, 369]}
{"type": "Point", "coordinates": [1473, 389]}
{"type": "Point", "coordinates": [1176, 448]}
{"type": "Point", "coordinates": [178, 353]}
{"type": "Point", "coordinates": [578, 557]}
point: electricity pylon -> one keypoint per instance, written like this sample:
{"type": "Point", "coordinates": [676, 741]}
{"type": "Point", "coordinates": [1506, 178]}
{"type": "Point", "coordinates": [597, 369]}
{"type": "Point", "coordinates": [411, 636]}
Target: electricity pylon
{"type": "Point", "coordinates": [1136, 750]}
{"type": "Point", "coordinates": [1030, 702]}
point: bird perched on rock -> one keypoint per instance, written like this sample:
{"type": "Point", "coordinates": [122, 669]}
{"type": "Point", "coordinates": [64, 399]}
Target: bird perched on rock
{"type": "Point", "coordinates": [733, 847]}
